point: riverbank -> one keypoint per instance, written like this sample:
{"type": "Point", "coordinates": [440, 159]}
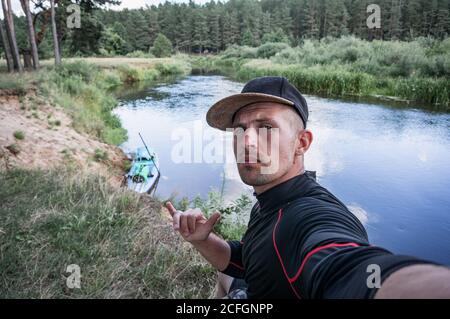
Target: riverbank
{"type": "Point", "coordinates": [61, 203]}
{"type": "Point", "coordinates": [408, 72]}
{"type": "Point", "coordinates": [64, 114]}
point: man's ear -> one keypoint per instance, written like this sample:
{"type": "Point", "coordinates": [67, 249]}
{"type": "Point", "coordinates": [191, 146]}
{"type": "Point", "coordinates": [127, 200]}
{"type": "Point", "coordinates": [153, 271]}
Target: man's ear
{"type": "Point", "coordinates": [305, 138]}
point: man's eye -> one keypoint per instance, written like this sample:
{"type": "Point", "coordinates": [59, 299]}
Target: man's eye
{"type": "Point", "coordinates": [267, 126]}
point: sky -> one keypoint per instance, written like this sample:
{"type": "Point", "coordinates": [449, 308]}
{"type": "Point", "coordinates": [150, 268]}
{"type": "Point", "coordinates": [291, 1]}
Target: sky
{"type": "Point", "coordinates": [135, 4]}
{"type": "Point", "coordinates": [130, 4]}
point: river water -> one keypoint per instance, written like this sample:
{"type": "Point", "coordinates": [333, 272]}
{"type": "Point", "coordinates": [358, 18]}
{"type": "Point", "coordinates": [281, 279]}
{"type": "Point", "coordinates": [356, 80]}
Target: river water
{"type": "Point", "coordinates": [389, 165]}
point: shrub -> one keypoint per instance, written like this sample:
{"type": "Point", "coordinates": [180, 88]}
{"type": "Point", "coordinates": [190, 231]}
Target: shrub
{"type": "Point", "coordinates": [162, 47]}
{"type": "Point", "coordinates": [235, 51]}
{"type": "Point", "coordinates": [100, 155]}
{"type": "Point", "coordinates": [270, 49]}
{"type": "Point", "coordinates": [20, 135]}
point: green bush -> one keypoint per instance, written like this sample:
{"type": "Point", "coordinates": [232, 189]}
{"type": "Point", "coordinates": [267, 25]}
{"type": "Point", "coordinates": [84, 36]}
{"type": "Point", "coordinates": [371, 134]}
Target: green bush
{"type": "Point", "coordinates": [275, 36]}
{"type": "Point", "coordinates": [162, 47]}
{"type": "Point", "coordinates": [348, 65]}
{"type": "Point", "coordinates": [86, 71]}
{"type": "Point", "coordinates": [269, 49]}
{"type": "Point", "coordinates": [171, 68]}
{"type": "Point", "coordinates": [128, 75]}
{"type": "Point", "coordinates": [100, 155]}
{"type": "Point", "coordinates": [20, 135]}
{"type": "Point", "coordinates": [423, 57]}
{"type": "Point", "coordinates": [235, 51]}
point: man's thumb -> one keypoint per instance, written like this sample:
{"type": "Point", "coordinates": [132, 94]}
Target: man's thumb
{"type": "Point", "coordinates": [170, 208]}
{"type": "Point", "coordinates": [213, 219]}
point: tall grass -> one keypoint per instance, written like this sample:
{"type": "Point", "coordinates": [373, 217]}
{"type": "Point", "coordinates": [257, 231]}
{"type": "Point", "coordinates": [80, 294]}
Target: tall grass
{"type": "Point", "coordinates": [84, 90]}
{"type": "Point", "coordinates": [417, 70]}
{"type": "Point", "coordinates": [317, 79]}
{"type": "Point", "coordinates": [15, 83]}
{"type": "Point", "coordinates": [77, 87]}
{"type": "Point", "coordinates": [120, 241]}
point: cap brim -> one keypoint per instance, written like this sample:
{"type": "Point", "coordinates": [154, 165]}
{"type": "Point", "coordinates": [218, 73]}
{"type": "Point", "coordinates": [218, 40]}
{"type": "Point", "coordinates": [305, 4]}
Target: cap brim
{"type": "Point", "coordinates": [220, 115]}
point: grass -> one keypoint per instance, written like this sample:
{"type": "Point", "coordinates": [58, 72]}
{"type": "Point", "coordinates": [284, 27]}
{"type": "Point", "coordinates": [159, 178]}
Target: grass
{"type": "Point", "coordinates": [416, 71]}
{"type": "Point", "coordinates": [15, 83]}
{"type": "Point", "coordinates": [19, 135]}
{"type": "Point", "coordinates": [83, 89]}
{"type": "Point", "coordinates": [100, 155]}
{"type": "Point", "coordinates": [120, 241]}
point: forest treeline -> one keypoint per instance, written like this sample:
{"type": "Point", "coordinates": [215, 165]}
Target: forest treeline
{"type": "Point", "coordinates": [214, 26]}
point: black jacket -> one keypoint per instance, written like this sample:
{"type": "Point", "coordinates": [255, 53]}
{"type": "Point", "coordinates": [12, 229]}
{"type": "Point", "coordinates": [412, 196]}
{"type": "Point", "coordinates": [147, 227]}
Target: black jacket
{"type": "Point", "coordinates": [302, 242]}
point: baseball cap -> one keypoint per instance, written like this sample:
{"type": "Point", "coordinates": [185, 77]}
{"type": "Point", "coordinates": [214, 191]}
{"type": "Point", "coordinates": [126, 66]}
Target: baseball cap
{"type": "Point", "coordinates": [275, 89]}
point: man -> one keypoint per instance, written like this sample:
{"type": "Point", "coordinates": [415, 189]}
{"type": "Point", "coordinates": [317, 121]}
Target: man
{"type": "Point", "coordinates": [301, 241]}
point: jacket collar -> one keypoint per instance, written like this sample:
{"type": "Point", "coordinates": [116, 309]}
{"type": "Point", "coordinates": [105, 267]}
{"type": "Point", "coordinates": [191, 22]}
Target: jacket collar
{"type": "Point", "coordinates": [285, 192]}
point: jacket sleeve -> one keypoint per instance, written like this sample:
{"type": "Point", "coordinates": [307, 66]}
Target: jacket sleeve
{"type": "Point", "coordinates": [325, 253]}
{"type": "Point", "coordinates": [235, 267]}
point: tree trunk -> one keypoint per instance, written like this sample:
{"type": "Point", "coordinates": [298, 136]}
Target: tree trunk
{"type": "Point", "coordinates": [28, 65]}
{"type": "Point", "coordinates": [6, 48]}
{"type": "Point", "coordinates": [11, 33]}
{"type": "Point", "coordinates": [55, 34]}
{"type": "Point", "coordinates": [31, 33]}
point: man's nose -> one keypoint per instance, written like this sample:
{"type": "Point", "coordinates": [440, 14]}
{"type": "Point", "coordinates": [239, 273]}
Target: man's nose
{"type": "Point", "coordinates": [251, 137]}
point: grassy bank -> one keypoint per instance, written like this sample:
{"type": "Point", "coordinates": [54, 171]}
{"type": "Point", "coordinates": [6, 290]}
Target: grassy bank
{"type": "Point", "coordinates": [83, 88]}
{"type": "Point", "coordinates": [414, 71]}
{"type": "Point", "coordinates": [121, 242]}
{"type": "Point", "coordinates": [53, 218]}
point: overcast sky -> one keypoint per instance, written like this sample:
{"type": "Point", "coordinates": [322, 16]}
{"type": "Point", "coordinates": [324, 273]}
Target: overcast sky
{"type": "Point", "coordinates": [134, 4]}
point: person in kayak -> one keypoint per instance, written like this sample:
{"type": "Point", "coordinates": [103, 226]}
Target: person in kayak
{"type": "Point", "coordinates": [301, 241]}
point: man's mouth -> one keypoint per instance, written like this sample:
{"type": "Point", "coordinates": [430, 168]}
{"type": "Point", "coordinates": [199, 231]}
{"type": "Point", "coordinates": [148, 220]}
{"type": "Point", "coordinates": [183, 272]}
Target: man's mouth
{"type": "Point", "coordinates": [251, 159]}
{"type": "Point", "coordinates": [261, 159]}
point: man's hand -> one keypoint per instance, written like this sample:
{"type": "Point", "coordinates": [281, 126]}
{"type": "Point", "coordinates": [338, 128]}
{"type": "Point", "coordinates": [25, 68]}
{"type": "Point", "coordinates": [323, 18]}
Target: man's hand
{"type": "Point", "coordinates": [192, 224]}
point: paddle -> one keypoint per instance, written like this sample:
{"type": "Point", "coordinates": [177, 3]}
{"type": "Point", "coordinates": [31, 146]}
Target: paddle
{"type": "Point", "coordinates": [151, 157]}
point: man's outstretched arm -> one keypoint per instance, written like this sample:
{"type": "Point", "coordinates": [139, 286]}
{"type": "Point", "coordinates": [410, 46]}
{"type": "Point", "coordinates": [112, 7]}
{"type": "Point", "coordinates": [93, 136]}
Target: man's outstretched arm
{"type": "Point", "coordinates": [417, 281]}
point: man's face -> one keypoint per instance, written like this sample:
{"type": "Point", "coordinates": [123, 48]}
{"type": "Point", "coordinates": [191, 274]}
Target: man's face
{"type": "Point", "coordinates": [266, 135]}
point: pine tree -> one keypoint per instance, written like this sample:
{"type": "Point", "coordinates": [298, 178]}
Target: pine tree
{"type": "Point", "coordinates": [31, 33]}
{"type": "Point", "coordinates": [248, 38]}
{"type": "Point", "coordinates": [442, 24]}
{"type": "Point", "coordinates": [11, 34]}
{"type": "Point", "coordinates": [162, 47]}
{"type": "Point", "coordinates": [395, 15]}
{"type": "Point", "coordinates": [214, 41]}
{"type": "Point", "coordinates": [6, 48]}
{"type": "Point", "coordinates": [141, 32]}
{"type": "Point", "coordinates": [312, 20]}
{"type": "Point", "coordinates": [200, 31]}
